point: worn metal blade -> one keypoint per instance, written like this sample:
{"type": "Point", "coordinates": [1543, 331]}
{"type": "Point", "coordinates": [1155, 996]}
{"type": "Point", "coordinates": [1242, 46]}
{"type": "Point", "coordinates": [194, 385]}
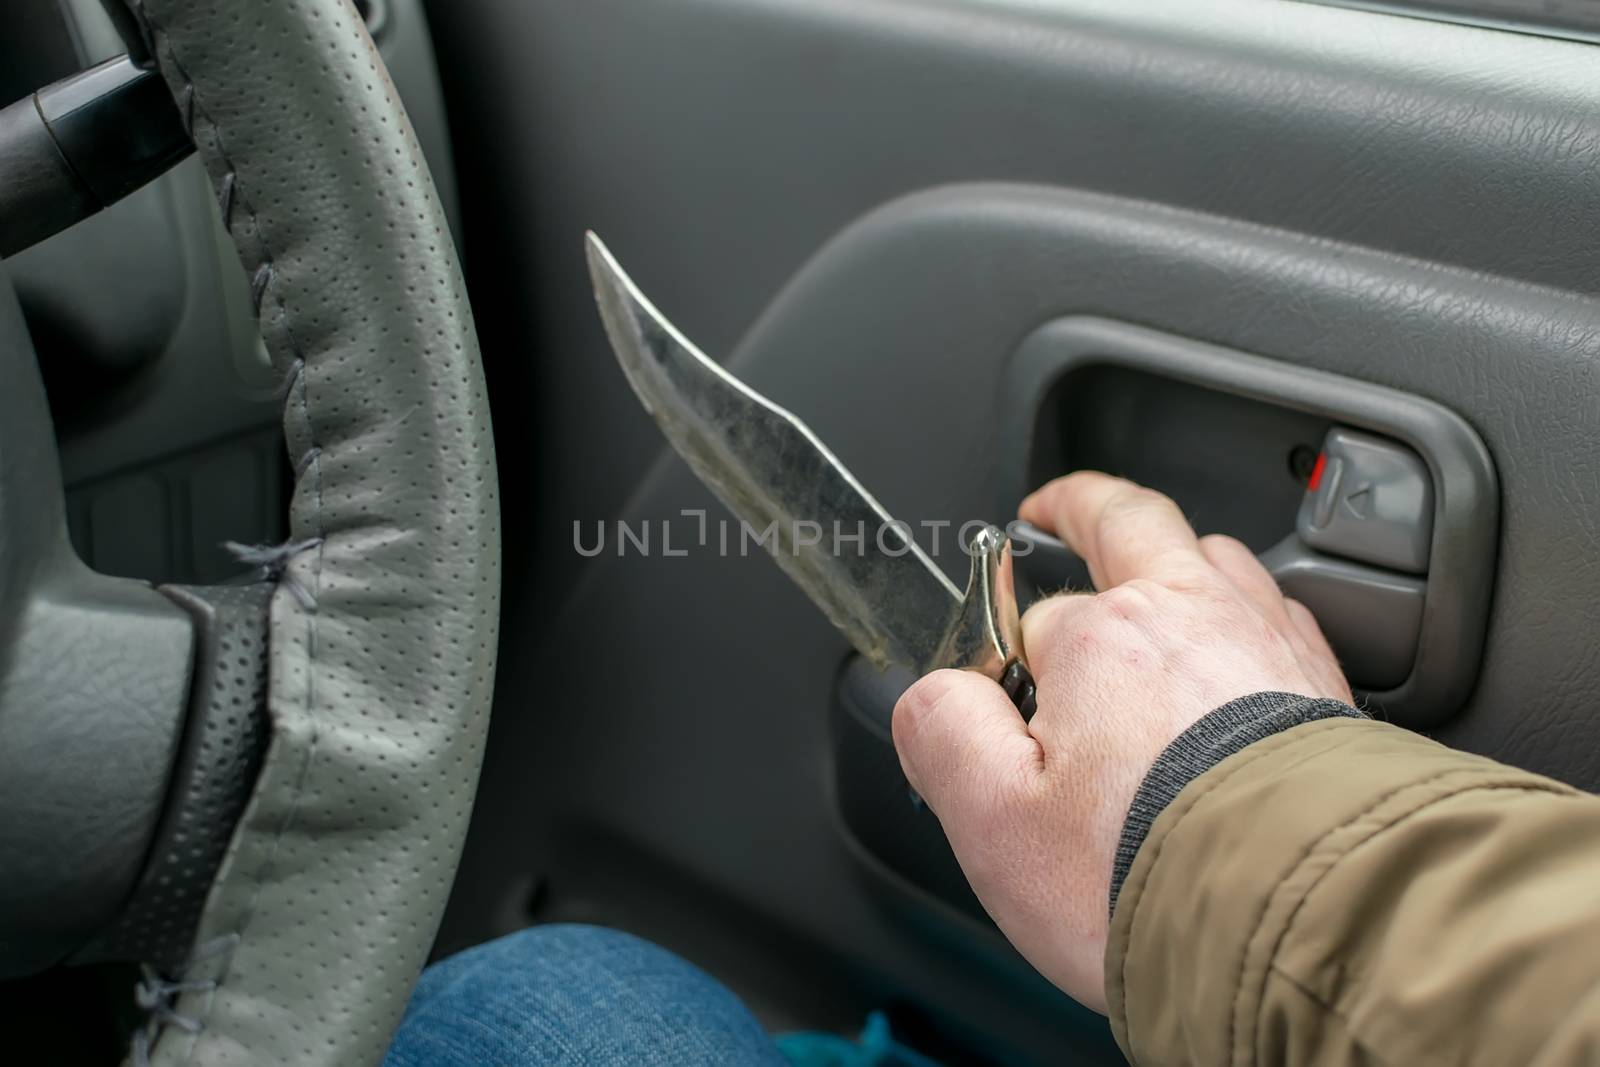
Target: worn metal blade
{"type": "Point", "coordinates": [883, 592]}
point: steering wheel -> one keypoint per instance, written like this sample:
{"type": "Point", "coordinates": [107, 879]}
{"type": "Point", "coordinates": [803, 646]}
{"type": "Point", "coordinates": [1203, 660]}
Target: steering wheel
{"type": "Point", "coordinates": [262, 790]}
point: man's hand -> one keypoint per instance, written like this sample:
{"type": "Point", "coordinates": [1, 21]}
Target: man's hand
{"type": "Point", "coordinates": [1034, 810]}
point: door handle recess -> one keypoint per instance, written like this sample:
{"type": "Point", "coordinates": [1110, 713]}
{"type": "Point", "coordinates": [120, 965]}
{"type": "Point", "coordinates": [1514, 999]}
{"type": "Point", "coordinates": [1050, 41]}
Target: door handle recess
{"type": "Point", "coordinates": [1390, 541]}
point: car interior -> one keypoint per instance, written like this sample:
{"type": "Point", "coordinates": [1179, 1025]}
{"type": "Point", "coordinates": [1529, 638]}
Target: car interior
{"type": "Point", "coordinates": [1279, 259]}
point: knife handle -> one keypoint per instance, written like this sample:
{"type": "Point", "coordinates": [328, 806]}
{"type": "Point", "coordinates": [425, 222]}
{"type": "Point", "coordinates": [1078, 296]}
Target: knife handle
{"type": "Point", "coordinates": [1017, 681]}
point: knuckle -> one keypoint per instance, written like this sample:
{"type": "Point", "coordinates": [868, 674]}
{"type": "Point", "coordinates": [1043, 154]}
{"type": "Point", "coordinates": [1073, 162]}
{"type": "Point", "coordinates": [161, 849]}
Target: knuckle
{"type": "Point", "coordinates": [1125, 504]}
{"type": "Point", "coordinates": [1061, 629]}
{"type": "Point", "coordinates": [1224, 543]}
{"type": "Point", "coordinates": [1131, 600]}
{"type": "Point", "coordinates": [1120, 508]}
{"type": "Point", "coordinates": [1147, 591]}
{"type": "Point", "coordinates": [1052, 614]}
{"type": "Point", "coordinates": [1202, 584]}
{"type": "Point", "coordinates": [1260, 633]}
{"type": "Point", "coordinates": [1143, 498]}
{"type": "Point", "coordinates": [1043, 608]}
{"type": "Point", "coordinates": [1305, 622]}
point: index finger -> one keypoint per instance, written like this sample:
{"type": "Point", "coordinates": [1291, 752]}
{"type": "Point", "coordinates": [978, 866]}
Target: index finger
{"type": "Point", "coordinates": [1121, 530]}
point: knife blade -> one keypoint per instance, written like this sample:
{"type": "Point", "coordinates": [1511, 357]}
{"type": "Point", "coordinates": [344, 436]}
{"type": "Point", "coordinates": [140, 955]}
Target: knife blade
{"type": "Point", "coordinates": [886, 596]}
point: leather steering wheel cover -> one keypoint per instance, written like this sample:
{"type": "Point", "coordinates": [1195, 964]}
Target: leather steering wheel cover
{"type": "Point", "coordinates": [384, 624]}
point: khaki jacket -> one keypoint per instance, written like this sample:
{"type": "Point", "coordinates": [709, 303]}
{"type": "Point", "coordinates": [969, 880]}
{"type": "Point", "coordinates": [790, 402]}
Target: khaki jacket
{"type": "Point", "coordinates": [1346, 892]}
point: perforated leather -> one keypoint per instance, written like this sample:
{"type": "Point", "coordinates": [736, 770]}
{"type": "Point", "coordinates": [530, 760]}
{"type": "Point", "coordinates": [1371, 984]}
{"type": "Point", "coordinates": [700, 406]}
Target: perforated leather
{"type": "Point", "coordinates": [383, 627]}
{"type": "Point", "coordinates": [224, 740]}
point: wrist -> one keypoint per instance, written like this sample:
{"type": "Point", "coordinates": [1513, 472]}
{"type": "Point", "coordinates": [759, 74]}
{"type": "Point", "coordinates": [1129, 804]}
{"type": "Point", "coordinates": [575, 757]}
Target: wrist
{"type": "Point", "coordinates": [1210, 740]}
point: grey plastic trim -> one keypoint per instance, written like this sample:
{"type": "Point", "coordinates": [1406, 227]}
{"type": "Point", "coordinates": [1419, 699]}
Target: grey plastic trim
{"type": "Point", "coordinates": [1371, 617]}
{"type": "Point", "coordinates": [1466, 491]}
{"type": "Point", "coordinates": [94, 680]}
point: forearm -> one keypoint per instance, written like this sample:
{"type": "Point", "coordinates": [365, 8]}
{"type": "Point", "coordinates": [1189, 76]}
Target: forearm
{"type": "Point", "coordinates": [1229, 729]}
{"type": "Point", "coordinates": [1345, 890]}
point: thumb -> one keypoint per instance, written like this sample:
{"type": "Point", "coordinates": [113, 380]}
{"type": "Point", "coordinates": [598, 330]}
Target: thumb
{"type": "Point", "coordinates": [963, 744]}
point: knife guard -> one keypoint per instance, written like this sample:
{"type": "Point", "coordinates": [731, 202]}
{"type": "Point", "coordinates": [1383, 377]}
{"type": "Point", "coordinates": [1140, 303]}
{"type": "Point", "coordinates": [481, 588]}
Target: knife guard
{"type": "Point", "coordinates": [987, 633]}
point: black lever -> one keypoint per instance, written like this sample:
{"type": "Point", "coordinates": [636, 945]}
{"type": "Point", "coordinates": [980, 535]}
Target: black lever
{"type": "Point", "coordinates": [80, 145]}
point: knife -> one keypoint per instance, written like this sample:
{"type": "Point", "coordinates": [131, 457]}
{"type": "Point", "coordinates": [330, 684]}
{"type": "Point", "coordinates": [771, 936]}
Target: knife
{"type": "Point", "coordinates": [887, 597]}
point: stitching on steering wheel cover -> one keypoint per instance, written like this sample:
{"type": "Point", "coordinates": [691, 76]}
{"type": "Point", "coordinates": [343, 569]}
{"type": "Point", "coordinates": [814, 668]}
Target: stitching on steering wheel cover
{"type": "Point", "coordinates": [380, 679]}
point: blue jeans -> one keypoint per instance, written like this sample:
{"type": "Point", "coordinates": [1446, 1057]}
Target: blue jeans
{"type": "Point", "coordinates": [574, 995]}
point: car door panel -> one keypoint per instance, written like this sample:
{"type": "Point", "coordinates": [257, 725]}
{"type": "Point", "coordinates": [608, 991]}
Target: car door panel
{"type": "Point", "coordinates": [867, 208]}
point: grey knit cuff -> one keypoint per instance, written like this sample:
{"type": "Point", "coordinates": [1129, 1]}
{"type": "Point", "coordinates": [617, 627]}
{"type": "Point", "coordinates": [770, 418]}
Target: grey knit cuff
{"type": "Point", "coordinates": [1201, 747]}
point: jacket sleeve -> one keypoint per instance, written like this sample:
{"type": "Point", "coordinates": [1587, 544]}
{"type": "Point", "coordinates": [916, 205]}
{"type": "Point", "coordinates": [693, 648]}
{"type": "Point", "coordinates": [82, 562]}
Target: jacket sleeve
{"type": "Point", "coordinates": [1347, 892]}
